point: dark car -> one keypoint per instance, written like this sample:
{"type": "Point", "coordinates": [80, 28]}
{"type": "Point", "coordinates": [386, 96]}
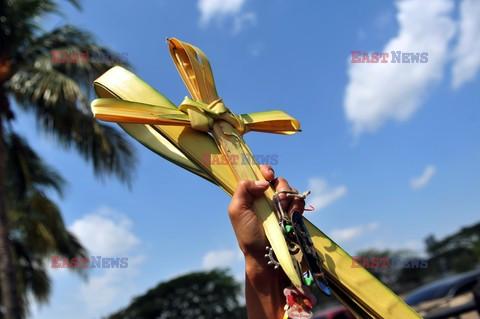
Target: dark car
{"type": "Point", "coordinates": [448, 296]}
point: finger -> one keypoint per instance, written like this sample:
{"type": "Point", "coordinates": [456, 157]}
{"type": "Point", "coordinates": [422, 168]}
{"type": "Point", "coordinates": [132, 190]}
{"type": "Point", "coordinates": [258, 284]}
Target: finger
{"type": "Point", "coordinates": [298, 204]}
{"type": "Point", "coordinates": [267, 172]}
{"type": "Point", "coordinates": [281, 184]}
{"type": "Point", "coordinates": [244, 195]}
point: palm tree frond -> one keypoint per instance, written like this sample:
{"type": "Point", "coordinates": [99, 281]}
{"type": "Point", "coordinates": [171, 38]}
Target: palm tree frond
{"type": "Point", "coordinates": [76, 4]}
{"type": "Point", "coordinates": [62, 110]}
{"type": "Point", "coordinates": [38, 228]}
{"type": "Point", "coordinates": [33, 274]}
{"type": "Point", "coordinates": [38, 223]}
{"type": "Point", "coordinates": [19, 25]}
{"type": "Point", "coordinates": [26, 170]}
{"type": "Point", "coordinates": [73, 52]}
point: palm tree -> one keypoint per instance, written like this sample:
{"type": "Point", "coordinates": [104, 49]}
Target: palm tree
{"type": "Point", "coordinates": [36, 224]}
{"type": "Point", "coordinates": [58, 95]}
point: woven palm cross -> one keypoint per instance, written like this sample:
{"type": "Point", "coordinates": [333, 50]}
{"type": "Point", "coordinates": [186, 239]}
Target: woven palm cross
{"type": "Point", "coordinates": [204, 125]}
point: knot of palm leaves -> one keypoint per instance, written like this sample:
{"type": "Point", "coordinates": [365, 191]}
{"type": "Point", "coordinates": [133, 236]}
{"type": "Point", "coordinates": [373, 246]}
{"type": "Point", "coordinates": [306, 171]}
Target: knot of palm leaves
{"type": "Point", "coordinates": [202, 115]}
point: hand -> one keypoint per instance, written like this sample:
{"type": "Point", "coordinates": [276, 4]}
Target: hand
{"type": "Point", "coordinates": [263, 285]}
{"type": "Point", "coordinates": [250, 235]}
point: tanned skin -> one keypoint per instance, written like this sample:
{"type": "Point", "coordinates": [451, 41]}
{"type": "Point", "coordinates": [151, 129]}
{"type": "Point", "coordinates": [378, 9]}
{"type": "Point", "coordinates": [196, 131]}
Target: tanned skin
{"type": "Point", "coordinates": [263, 285]}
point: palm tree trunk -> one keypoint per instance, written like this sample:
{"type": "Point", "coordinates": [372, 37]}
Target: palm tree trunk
{"type": "Point", "coordinates": [8, 282]}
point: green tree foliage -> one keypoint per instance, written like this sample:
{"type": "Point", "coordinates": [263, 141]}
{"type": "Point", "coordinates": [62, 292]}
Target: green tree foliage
{"type": "Point", "coordinates": [198, 295]}
{"type": "Point", "coordinates": [459, 252]}
{"type": "Point", "coordinates": [455, 253]}
{"type": "Point", "coordinates": [36, 225]}
{"type": "Point", "coordinates": [58, 95]}
{"type": "Point", "coordinates": [398, 279]}
{"type": "Point", "coordinates": [394, 278]}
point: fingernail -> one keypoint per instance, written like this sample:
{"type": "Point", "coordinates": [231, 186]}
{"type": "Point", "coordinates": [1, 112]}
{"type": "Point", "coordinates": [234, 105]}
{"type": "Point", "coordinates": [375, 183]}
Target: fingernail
{"type": "Point", "coordinates": [272, 171]}
{"type": "Point", "coordinates": [262, 183]}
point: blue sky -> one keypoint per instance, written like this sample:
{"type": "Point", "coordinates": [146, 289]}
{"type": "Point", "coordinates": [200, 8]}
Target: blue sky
{"type": "Point", "coordinates": [390, 152]}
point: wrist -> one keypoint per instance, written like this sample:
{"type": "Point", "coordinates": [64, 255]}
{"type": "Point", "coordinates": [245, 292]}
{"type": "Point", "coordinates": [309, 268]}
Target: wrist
{"type": "Point", "coordinates": [260, 272]}
{"type": "Point", "coordinates": [264, 288]}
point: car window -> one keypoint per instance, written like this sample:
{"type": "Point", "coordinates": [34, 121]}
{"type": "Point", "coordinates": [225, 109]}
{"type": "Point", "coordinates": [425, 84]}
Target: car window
{"type": "Point", "coordinates": [465, 288]}
{"type": "Point", "coordinates": [441, 288]}
{"type": "Point", "coordinates": [429, 293]}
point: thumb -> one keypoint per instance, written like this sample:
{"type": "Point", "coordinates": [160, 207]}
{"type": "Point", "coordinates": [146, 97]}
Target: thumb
{"type": "Point", "coordinates": [246, 192]}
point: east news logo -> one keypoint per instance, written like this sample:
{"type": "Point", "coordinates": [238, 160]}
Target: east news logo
{"type": "Point", "coordinates": [84, 57]}
{"type": "Point", "coordinates": [386, 262]}
{"type": "Point", "coordinates": [385, 57]}
{"type": "Point", "coordinates": [93, 262]}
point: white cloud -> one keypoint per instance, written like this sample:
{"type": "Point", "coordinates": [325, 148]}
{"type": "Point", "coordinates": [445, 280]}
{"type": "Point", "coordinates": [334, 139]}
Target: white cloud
{"type": "Point", "coordinates": [219, 10]}
{"type": "Point", "coordinates": [233, 259]}
{"type": "Point", "coordinates": [211, 8]}
{"type": "Point", "coordinates": [467, 59]}
{"type": "Point", "coordinates": [424, 179]}
{"type": "Point", "coordinates": [322, 194]}
{"type": "Point", "coordinates": [378, 92]}
{"type": "Point", "coordinates": [218, 258]}
{"type": "Point", "coordinates": [105, 232]}
{"type": "Point", "coordinates": [346, 234]}
{"type": "Point", "coordinates": [104, 290]}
